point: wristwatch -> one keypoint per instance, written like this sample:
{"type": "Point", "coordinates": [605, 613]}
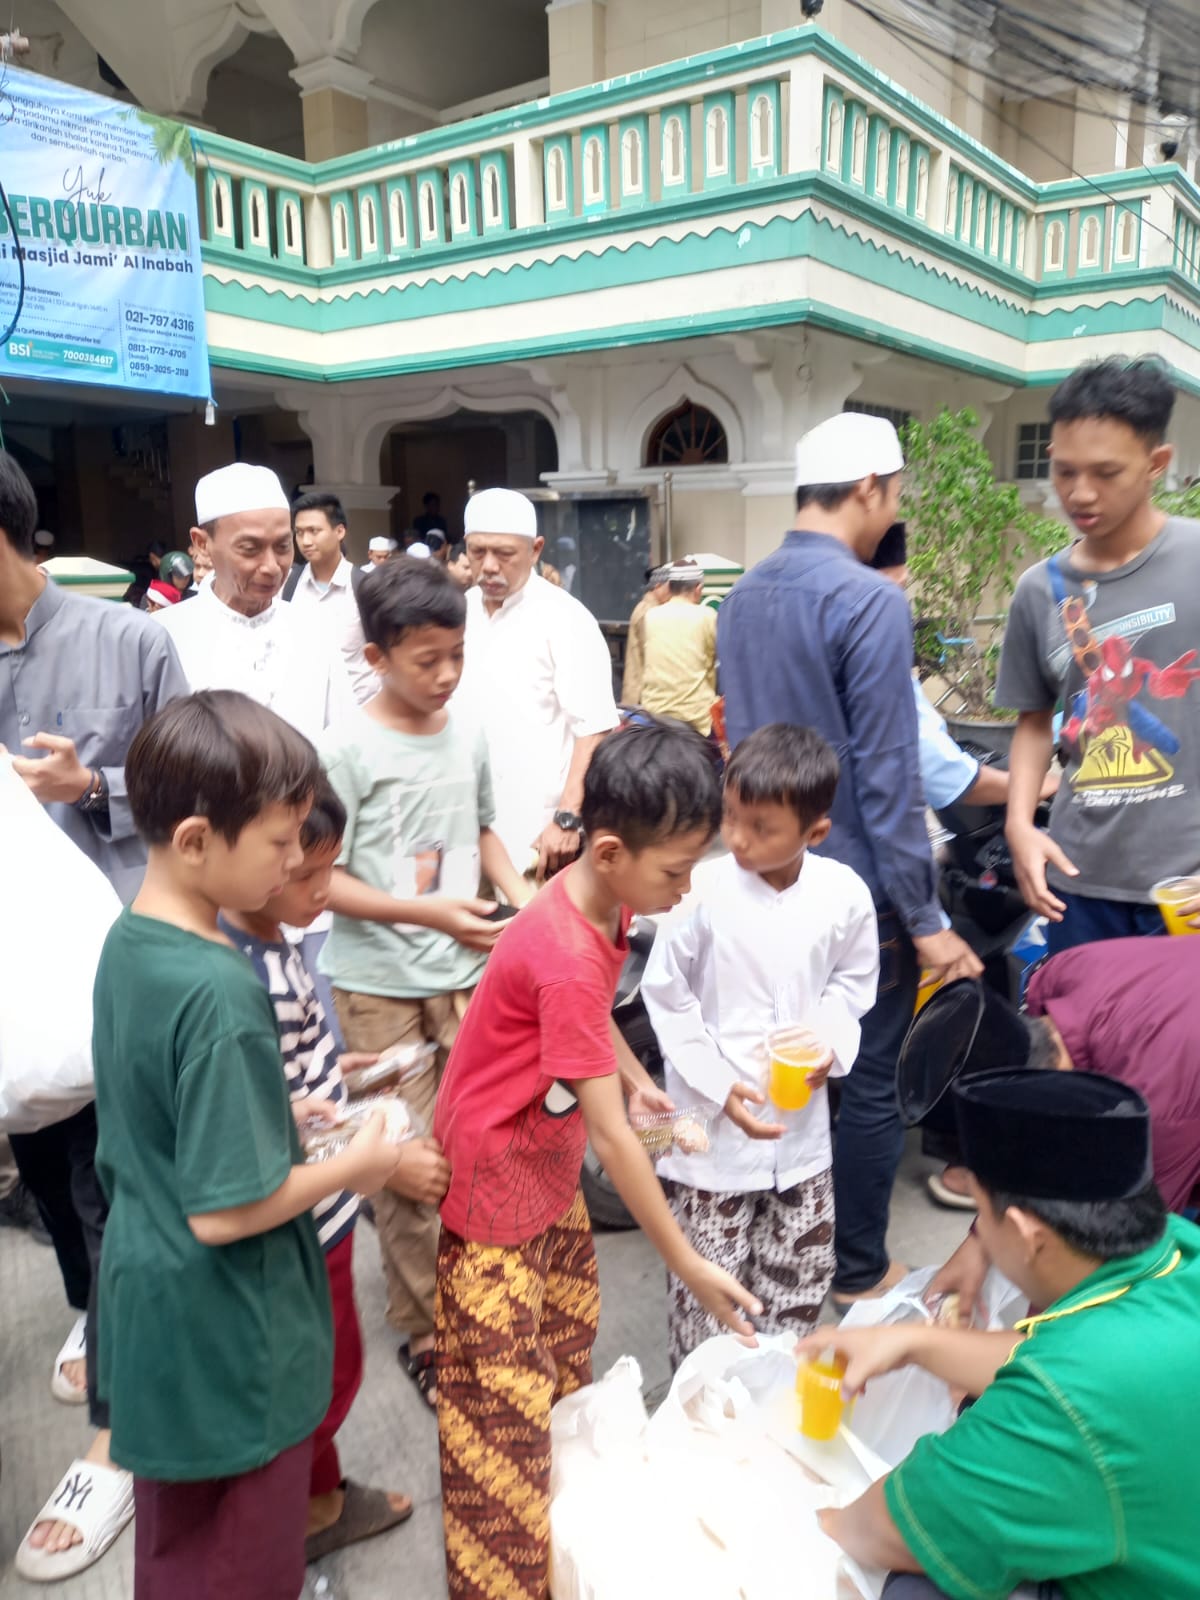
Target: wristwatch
{"type": "Point", "coordinates": [95, 797]}
{"type": "Point", "coordinates": [568, 822]}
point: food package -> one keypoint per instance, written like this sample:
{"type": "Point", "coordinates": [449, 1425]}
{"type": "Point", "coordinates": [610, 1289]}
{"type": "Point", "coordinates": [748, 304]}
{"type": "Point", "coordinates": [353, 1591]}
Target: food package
{"type": "Point", "coordinates": [323, 1139]}
{"type": "Point", "coordinates": [688, 1132]}
{"type": "Point", "coordinates": [391, 1071]}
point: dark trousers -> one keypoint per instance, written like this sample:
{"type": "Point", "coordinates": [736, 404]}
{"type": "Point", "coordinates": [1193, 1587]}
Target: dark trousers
{"type": "Point", "coordinates": [869, 1137]}
{"type": "Point", "coordinates": [224, 1538]}
{"type": "Point", "coordinates": [347, 1367]}
{"type": "Point", "coordinates": [1087, 921]}
{"type": "Point", "coordinates": [58, 1166]}
{"type": "Point", "coordinates": [916, 1586]}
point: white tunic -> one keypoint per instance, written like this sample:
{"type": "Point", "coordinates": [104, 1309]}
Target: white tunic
{"type": "Point", "coordinates": [336, 609]}
{"type": "Point", "coordinates": [737, 960]}
{"type": "Point", "coordinates": [538, 676]}
{"type": "Point", "coordinates": [278, 658]}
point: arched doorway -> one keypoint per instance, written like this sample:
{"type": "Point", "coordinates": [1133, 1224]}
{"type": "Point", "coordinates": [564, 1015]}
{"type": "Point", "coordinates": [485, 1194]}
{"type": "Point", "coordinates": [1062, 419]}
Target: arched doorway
{"type": "Point", "coordinates": [442, 456]}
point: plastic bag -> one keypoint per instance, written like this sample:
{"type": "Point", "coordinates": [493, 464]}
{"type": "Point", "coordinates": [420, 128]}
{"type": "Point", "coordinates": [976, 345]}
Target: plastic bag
{"type": "Point", "coordinates": [58, 908]}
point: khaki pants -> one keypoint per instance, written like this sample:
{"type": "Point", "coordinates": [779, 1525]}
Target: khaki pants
{"type": "Point", "coordinates": [408, 1232]}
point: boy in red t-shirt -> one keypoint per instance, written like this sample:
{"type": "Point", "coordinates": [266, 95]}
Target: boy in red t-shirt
{"type": "Point", "coordinates": [537, 1070]}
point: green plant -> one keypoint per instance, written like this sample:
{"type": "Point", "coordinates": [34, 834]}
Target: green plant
{"type": "Point", "coordinates": [1179, 502]}
{"type": "Point", "coordinates": [172, 140]}
{"type": "Point", "coordinates": [968, 536]}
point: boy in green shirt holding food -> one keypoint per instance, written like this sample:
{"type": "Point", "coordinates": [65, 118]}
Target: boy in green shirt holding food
{"type": "Point", "coordinates": [215, 1347]}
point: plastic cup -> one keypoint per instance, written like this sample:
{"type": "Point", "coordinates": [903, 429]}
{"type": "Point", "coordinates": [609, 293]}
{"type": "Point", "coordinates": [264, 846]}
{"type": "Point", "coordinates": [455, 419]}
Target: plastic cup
{"type": "Point", "coordinates": [929, 985]}
{"type": "Point", "coordinates": [794, 1053]}
{"type": "Point", "coordinates": [1169, 895]}
{"type": "Point", "coordinates": [819, 1393]}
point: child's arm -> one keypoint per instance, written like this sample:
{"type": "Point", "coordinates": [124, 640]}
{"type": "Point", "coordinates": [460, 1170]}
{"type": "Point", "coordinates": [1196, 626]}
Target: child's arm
{"type": "Point", "coordinates": [498, 869]}
{"type": "Point", "coordinates": [850, 990]}
{"type": "Point", "coordinates": [461, 919]}
{"type": "Point", "coordinates": [363, 1167]}
{"type": "Point", "coordinates": [628, 1165]}
{"type": "Point", "coordinates": [640, 1088]}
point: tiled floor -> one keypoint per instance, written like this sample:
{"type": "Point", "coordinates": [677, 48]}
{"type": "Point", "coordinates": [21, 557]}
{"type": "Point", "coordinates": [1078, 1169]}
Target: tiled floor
{"type": "Point", "coordinates": [390, 1438]}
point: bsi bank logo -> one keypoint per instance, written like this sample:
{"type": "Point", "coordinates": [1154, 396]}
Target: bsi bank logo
{"type": "Point", "coordinates": [20, 347]}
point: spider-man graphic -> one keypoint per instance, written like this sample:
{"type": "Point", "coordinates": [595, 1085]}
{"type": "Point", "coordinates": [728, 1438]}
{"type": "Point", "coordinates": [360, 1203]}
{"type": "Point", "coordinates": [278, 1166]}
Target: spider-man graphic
{"type": "Point", "coordinates": [1110, 703]}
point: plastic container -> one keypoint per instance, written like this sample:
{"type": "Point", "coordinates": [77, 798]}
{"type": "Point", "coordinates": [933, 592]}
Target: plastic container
{"type": "Point", "coordinates": [794, 1053]}
{"type": "Point", "coordinates": [819, 1393]}
{"type": "Point", "coordinates": [660, 1132]}
{"type": "Point", "coordinates": [393, 1070]}
{"type": "Point", "coordinates": [322, 1139]}
{"type": "Point", "coordinates": [1172, 894]}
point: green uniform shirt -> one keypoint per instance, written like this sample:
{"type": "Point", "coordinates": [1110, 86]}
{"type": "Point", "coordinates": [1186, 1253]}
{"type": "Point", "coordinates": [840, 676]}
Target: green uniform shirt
{"type": "Point", "coordinates": [214, 1359]}
{"type": "Point", "coordinates": [415, 807]}
{"type": "Point", "coordinates": [1079, 1460]}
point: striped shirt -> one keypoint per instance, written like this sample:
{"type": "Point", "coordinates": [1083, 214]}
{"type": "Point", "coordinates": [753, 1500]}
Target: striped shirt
{"type": "Point", "coordinates": [310, 1059]}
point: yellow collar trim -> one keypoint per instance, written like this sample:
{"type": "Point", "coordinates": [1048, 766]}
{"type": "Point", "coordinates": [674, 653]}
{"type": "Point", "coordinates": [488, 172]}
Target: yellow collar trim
{"type": "Point", "coordinates": [1028, 1324]}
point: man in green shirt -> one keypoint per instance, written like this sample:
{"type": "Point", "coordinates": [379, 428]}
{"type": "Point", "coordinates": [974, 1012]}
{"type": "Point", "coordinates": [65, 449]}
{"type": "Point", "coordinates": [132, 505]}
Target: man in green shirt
{"type": "Point", "coordinates": [1076, 1464]}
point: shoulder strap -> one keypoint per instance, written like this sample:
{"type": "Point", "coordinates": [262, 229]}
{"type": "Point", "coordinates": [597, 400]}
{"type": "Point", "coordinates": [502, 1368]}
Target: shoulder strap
{"type": "Point", "coordinates": [357, 577]}
{"type": "Point", "coordinates": [1057, 581]}
{"type": "Point", "coordinates": [289, 587]}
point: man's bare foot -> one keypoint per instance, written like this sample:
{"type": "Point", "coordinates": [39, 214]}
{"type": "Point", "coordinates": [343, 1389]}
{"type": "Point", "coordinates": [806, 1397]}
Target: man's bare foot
{"type": "Point", "coordinates": [895, 1272]}
{"type": "Point", "coordinates": [325, 1509]}
{"type": "Point", "coordinates": [54, 1537]}
{"type": "Point", "coordinates": [949, 1188]}
{"type": "Point", "coordinates": [419, 1347]}
{"type": "Point", "coordinates": [75, 1372]}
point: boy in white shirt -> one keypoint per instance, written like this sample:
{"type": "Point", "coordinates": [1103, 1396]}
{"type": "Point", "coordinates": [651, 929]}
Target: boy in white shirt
{"type": "Point", "coordinates": [771, 936]}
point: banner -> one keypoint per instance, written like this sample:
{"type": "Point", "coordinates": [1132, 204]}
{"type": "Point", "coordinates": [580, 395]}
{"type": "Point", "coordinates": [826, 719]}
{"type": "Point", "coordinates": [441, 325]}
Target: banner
{"type": "Point", "coordinates": [103, 203]}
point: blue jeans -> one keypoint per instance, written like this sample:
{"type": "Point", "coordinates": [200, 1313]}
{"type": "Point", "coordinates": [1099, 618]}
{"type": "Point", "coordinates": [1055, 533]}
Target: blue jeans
{"type": "Point", "coordinates": [1087, 921]}
{"type": "Point", "coordinates": [868, 1136]}
{"type": "Point", "coordinates": [915, 1586]}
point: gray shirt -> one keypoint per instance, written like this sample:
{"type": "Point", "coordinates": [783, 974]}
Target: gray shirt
{"type": "Point", "coordinates": [1128, 812]}
{"type": "Point", "coordinates": [93, 671]}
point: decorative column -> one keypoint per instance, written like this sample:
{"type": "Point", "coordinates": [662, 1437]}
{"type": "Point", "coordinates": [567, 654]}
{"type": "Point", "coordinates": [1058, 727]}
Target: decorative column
{"type": "Point", "coordinates": [333, 96]}
{"type": "Point", "coordinates": [577, 43]}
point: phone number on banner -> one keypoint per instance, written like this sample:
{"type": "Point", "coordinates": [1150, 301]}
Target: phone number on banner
{"type": "Point", "coordinates": [158, 344]}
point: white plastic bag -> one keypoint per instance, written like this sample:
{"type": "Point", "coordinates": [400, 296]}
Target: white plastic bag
{"type": "Point", "coordinates": [57, 908]}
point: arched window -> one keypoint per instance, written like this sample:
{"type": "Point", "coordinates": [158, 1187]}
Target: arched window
{"type": "Point", "coordinates": [717, 131]}
{"type": "Point", "coordinates": [255, 218]}
{"type": "Point", "coordinates": [688, 436]}
{"type": "Point", "coordinates": [291, 229]}
{"type": "Point", "coordinates": [219, 205]}
{"type": "Point", "coordinates": [631, 160]}
{"type": "Point", "coordinates": [1089, 242]}
{"type": "Point", "coordinates": [902, 160]}
{"type": "Point", "coordinates": [593, 171]}
{"type": "Point", "coordinates": [428, 212]}
{"type": "Point", "coordinates": [833, 136]}
{"type": "Point", "coordinates": [366, 222]}
{"type": "Point", "coordinates": [1021, 244]}
{"type": "Point", "coordinates": [951, 202]}
{"type": "Point", "coordinates": [556, 178]}
{"type": "Point", "coordinates": [1008, 235]}
{"type": "Point", "coordinates": [673, 151]}
{"type": "Point", "coordinates": [398, 219]}
{"type": "Point", "coordinates": [981, 211]}
{"type": "Point", "coordinates": [1127, 237]}
{"type": "Point", "coordinates": [921, 199]}
{"type": "Point", "coordinates": [341, 230]}
{"type": "Point", "coordinates": [858, 150]}
{"type": "Point", "coordinates": [458, 202]}
{"type": "Point", "coordinates": [882, 148]}
{"type": "Point", "coordinates": [994, 229]}
{"type": "Point", "coordinates": [968, 195]}
{"type": "Point", "coordinates": [1055, 242]}
{"type": "Point", "coordinates": [762, 122]}
{"type": "Point", "coordinates": [491, 197]}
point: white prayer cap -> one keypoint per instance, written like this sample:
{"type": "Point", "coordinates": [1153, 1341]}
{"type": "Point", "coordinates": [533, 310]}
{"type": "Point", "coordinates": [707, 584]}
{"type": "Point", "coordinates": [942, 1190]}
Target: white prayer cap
{"type": "Point", "coordinates": [44, 539]}
{"type": "Point", "coordinates": [686, 572]}
{"type": "Point", "coordinates": [846, 449]}
{"type": "Point", "coordinates": [418, 548]}
{"type": "Point", "coordinates": [238, 487]}
{"type": "Point", "coordinates": [379, 542]}
{"type": "Point", "coordinates": [501, 511]}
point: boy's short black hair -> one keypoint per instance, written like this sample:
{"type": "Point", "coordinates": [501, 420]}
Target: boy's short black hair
{"type": "Point", "coordinates": [829, 496]}
{"type": "Point", "coordinates": [18, 505]}
{"type": "Point", "coordinates": [216, 754]}
{"type": "Point", "coordinates": [650, 781]}
{"type": "Point", "coordinates": [1138, 393]}
{"type": "Point", "coordinates": [325, 823]}
{"type": "Point", "coordinates": [317, 500]}
{"type": "Point", "coordinates": [787, 765]}
{"type": "Point", "coordinates": [1109, 1230]}
{"type": "Point", "coordinates": [408, 592]}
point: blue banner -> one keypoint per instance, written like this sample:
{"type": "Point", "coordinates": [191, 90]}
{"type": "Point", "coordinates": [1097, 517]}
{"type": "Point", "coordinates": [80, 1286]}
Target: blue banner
{"type": "Point", "coordinates": [102, 217]}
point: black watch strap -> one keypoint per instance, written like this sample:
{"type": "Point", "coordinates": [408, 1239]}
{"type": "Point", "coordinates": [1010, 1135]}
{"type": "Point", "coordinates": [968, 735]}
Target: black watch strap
{"type": "Point", "coordinates": [568, 821]}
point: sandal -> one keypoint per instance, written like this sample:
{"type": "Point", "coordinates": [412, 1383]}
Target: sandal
{"type": "Point", "coordinates": [365, 1512]}
{"type": "Point", "coordinates": [98, 1501]}
{"type": "Point", "coordinates": [942, 1194]}
{"type": "Point", "coordinates": [74, 1349]}
{"type": "Point", "coordinates": [422, 1369]}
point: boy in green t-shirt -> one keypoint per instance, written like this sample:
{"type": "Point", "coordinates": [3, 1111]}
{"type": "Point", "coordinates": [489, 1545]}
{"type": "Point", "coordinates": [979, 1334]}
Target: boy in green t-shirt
{"type": "Point", "coordinates": [215, 1346]}
{"type": "Point", "coordinates": [410, 935]}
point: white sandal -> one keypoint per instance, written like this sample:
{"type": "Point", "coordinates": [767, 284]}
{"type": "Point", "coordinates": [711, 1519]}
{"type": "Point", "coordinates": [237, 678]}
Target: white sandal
{"type": "Point", "coordinates": [74, 1349]}
{"type": "Point", "coordinates": [98, 1501]}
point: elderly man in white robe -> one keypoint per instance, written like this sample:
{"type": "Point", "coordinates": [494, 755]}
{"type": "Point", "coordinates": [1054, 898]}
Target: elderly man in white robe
{"type": "Point", "coordinates": [539, 676]}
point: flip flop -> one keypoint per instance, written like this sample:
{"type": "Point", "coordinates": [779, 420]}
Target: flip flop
{"type": "Point", "coordinates": [422, 1370]}
{"type": "Point", "coordinates": [98, 1501]}
{"type": "Point", "coordinates": [942, 1194]}
{"type": "Point", "coordinates": [365, 1512]}
{"type": "Point", "coordinates": [74, 1349]}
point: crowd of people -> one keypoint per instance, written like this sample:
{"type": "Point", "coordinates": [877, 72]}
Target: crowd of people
{"type": "Point", "coordinates": [357, 814]}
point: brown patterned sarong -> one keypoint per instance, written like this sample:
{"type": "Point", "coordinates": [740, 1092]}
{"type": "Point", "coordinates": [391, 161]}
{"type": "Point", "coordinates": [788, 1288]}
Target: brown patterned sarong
{"type": "Point", "coordinates": [515, 1329]}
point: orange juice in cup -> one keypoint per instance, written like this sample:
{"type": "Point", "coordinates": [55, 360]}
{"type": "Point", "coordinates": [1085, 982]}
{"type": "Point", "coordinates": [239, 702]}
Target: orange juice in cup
{"type": "Point", "coordinates": [794, 1053]}
{"type": "Point", "coordinates": [819, 1393]}
{"type": "Point", "coordinates": [1172, 894]}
